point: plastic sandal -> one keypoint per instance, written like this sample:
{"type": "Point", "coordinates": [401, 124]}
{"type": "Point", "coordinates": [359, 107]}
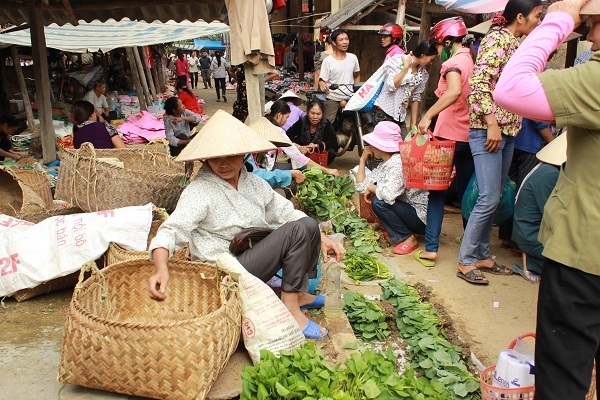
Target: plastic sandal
{"type": "Point", "coordinates": [313, 331]}
{"type": "Point", "coordinates": [426, 262]}
{"type": "Point", "coordinates": [318, 302]}
{"type": "Point", "coordinates": [404, 249]}
{"type": "Point", "coordinates": [527, 275]}
{"type": "Point", "coordinates": [472, 276]}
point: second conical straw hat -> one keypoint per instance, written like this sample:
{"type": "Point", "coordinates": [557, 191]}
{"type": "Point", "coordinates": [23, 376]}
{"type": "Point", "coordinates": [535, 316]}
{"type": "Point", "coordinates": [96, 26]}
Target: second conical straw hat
{"type": "Point", "coordinates": [266, 130]}
{"type": "Point", "coordinates": [223, 135]}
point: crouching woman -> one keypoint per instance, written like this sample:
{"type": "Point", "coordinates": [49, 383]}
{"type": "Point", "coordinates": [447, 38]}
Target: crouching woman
{"type": "Point", "coordinates": [402, 211]}
{"type": "Point", "coordinates": [224, 199]}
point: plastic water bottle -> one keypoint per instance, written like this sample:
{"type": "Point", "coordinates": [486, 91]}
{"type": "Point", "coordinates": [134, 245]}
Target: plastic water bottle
{"type": "Point", "coordinates": [332, 288]}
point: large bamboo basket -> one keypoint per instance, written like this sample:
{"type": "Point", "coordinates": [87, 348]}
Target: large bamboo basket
{"type": "Point", "coordinates": [117, 253]}
{"type": "Point", "coordinates": [118, 339]}
{"type": "Point", "coordinates": [23, 192]}
{"type": "Point", "coordinates": [91, 179]}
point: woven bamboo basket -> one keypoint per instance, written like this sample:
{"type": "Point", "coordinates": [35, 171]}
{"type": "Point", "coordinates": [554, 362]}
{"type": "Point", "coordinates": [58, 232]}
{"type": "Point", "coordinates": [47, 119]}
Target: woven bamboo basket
{"type": "Point", "coordinates": [23, 191]}
{"type": "Point", "coordinates": [118, 339]}
{"type": "Point", "coordinates": [117, 253]}
{"type": "Point", "coordinates": [92, 183]}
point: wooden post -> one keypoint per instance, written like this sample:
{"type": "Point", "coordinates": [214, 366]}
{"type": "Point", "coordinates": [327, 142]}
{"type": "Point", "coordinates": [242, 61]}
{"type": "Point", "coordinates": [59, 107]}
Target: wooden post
{"type": "Point", "coordinates": [142, 75]}
{"type": "Point", "coordinates": [136, 78]}
{"type": "Point", "coordinates": [154, 71]}
{"type": "Point", "coordinates": [148, 73]}
{"type": "Point", "coordinates": [425, 21]}
{"type": "Point", "coordinates": [21, 79]}
{"type": "Point", "coordinates": [401, 12]}
{"type": "Point", "coordinates": [40, 69]}
{"type": "Point", "coordinates": [255, 91]}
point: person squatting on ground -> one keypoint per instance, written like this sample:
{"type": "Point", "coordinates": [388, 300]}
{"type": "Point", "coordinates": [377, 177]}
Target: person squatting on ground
{"type": "Point", "coordinates": [314, 133]}
{"type": "Point", "coordinates": [340, 68]}
{"type": "Point", "coordinates": [455, 47]}
{"type": "Point", "coordinates": [287, 158]}
{"type": "Point", "coordinates": [391, 39]}
{"type": "Point", "coordinates": [529, 207]}
{"type": "Point", "coordinates": [219, 68]}
{"type": "Point", "coordinates": [568, 337]}
{"type": "Point", "coordinates": [283, 182]}
{"type": "Point", "coordinates": [405, 81]}
{"type": "Point", "coordinates": [178, 130]}
{"type": "Point", "coordinates": [224, 199]}
{"type": "Point", "coordinates": [8, 125]}
{"type": "Point", "coordinates": [402, 211]}
{"type": "Point", "coordinates": [491, 135]}
{"type": "Point", "coordinates": [101, 135]}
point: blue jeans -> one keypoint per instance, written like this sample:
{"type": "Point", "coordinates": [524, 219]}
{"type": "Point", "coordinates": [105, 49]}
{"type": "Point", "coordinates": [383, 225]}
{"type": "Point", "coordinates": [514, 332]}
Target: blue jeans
{"type": "Point", "coordinates": [491, 170]}
{"type": "Point", "coordinates": [463, 161]}
{"type": "Point", "coordinates": [400, 220]}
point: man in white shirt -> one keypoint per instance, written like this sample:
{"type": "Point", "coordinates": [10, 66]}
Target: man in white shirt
{"type": "Point", "coordinates": [340, 68]}
{"type": "Point", "coordinates": [97, 98]}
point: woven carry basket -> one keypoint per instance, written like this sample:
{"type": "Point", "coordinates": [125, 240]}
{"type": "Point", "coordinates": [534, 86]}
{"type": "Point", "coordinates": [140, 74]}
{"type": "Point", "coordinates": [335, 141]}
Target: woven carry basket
{"type": "Point", "coordinates": [147, 175]}
{"type": "Point", "coordinates": [23, 191]}
{"type": "Point", "coordinates": [427, 164]}
{"type": "Point", "coordinates": [118, 339]}
{"type": "Point", "coordinates": [117, 253]}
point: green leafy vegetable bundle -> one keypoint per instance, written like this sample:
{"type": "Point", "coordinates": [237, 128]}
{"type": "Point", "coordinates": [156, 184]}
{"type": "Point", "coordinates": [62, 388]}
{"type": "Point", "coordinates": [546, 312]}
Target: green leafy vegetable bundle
{"type": "Point", "coordinates": [430, 352]}
{"type": "Point", "coordinates": [366, 317]}
{"type": "Point", "coordinates": [327, 198]}
{"type": "Point", "coordinates": [305, 374]}
{"type": "Point", "coordinates": [364, 267]}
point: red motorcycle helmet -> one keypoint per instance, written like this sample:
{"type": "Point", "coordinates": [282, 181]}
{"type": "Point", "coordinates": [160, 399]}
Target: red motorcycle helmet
{"type": "Point", "coordinates": [391, 29]}
{"type": "Point", "coordinates": [449, 27]}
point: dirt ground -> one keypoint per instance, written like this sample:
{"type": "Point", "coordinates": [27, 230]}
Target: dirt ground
{"type": "Point", "coordinates": [485, 317]}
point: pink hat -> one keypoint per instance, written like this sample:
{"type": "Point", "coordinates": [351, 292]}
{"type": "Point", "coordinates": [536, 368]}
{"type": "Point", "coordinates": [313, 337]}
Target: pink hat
{"type": "Point", "coordinates": [385, 137]}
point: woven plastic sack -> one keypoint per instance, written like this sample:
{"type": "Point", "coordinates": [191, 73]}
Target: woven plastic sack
{"type": "Point", "coordinates": [266, 322]}
{"type": "Point", "coordinates": [505, 209]}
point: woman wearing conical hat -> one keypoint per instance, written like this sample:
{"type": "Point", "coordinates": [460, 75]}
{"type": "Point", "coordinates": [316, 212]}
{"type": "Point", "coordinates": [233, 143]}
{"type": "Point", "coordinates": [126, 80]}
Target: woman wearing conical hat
{"type": "Point", "coordinates": [224, 199]}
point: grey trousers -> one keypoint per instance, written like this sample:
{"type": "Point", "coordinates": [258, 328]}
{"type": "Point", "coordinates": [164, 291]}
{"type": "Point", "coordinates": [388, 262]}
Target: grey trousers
{"type": "Point", "coordinates": [295, 247]}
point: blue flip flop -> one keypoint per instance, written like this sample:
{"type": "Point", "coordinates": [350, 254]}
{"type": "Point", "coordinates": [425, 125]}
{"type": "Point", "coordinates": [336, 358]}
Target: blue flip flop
{"type": "Point", "coordinates": [318, 302]}
{"type": "Point", "coordinates": [313, 330]}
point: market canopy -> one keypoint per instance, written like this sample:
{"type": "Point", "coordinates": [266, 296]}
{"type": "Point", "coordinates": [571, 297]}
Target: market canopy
{"type": "Point", "coordinates": [95, 35]}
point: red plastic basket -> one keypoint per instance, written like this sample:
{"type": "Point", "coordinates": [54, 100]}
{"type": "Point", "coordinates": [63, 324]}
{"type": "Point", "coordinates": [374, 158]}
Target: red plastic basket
{"type": "Point", "coordinates": [489, 392]}
{"type": "Point", "coordinates": [428, 165]}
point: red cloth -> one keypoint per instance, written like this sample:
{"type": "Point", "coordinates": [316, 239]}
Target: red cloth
{"type": "Point", "coordinates": [190, 102]}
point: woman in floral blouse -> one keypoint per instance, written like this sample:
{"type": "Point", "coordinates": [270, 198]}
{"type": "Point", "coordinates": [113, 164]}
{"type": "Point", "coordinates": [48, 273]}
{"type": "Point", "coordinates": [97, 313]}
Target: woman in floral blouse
{"type": "Point", "coordinates": [405, 80]}
{"type": "Point", "coordinates": [491, 135]}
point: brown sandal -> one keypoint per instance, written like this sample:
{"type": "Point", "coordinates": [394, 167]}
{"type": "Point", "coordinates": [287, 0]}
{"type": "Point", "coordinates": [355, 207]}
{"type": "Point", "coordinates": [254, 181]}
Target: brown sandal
{"type": "Point", "coordinates": [474, 276]}
{"type": "Point", "coordinates": [497, 269]}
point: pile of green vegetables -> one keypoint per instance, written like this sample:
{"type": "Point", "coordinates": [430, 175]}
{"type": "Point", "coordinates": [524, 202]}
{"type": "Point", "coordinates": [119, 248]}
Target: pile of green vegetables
{"type": "Point", "coordinates": [305, 374]}
{"type": "Point", "coordinates": [364, 267]}
{"type": "Point", "coordinates": [327, 198]}
{"type": "Point", "coordinates": [366, 317]}
{"type": "Point", "coordinates": [430, 352]}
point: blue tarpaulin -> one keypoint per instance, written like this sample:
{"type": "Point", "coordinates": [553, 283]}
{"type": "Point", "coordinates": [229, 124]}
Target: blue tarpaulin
{"type": "Point", "coordinates": [209, 44]}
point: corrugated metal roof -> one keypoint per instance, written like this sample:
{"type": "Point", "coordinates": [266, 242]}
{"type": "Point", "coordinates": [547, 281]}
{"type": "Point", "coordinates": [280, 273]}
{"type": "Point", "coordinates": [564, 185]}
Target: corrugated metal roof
{"type": "Point", "coordinates": [344, 14]}
{"type": "Point", "coordinates": [16, 11]}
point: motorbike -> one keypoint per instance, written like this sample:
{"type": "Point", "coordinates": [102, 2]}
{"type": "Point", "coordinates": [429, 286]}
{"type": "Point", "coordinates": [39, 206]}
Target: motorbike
{"type": "Point", "coordinates": [349, 126]}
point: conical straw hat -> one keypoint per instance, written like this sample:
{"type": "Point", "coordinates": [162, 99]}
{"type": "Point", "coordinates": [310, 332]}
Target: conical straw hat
{"type": "Point", "coordinates": [592, 7]}
{"type": "Point", "coordinates": [223, 135]}
{"type": "Point", "coordinates": [555, 152]}
{"type": "Point", "coordinates": [266, 130]}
